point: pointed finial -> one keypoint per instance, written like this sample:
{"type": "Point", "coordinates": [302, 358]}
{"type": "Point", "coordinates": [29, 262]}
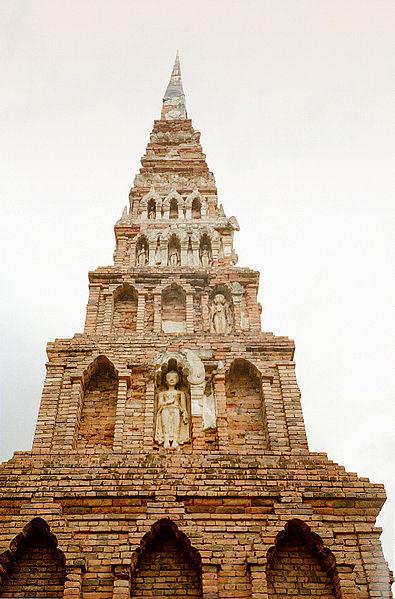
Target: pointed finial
{"type": "Point", "coordinates": [174, 106]}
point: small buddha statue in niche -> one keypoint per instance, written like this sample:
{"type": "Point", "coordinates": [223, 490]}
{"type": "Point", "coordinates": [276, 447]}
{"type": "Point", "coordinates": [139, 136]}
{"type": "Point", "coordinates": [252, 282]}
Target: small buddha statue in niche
{"type": "Point", "coordinates": [142, 256]}
{"type": "Point", "coordinates": [221, 318]}
{"type": "Point", "coordinates": [158, 254]}
{"type": "Point", "coordinates": [151, 213]}
{"type": "Point", "coordinates": [172, 421]}
{"type": "Point", "coordinates": [174, 257]}
{"type": "Point", "coordinates": [205, 257]}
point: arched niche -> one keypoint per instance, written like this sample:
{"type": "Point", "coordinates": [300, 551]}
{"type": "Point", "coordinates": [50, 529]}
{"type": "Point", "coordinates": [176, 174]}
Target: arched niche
{"type": "Point", "coordinates": [33, 566]}
{"type": "Point", "coordinates": [205, 251]}
{"type": "Point", "coordinates": [172, 417]}
{"type": "Point", "coordinates": [174, 251]}
{"type": "Point", "coordinates": [221, 310]}
{"type": "Point", "coordinates": [245, 407]}
{"type": "Point", "coordinates": [299, 565]}
{"type": "Point", "coordinates": [173, 211]}
{"type": "Point", "coordinates": [166, 565]}
{"type": "Point", "coordinates": [174, 312]}
{"type": "Point", "coordinates": [151, 209]}
{"type": "Point", "coordinates": [97, 420]}
{"type": "Point", "coordinates": [125, 309]}
{"type": "Point", "coordinates": [142, 252]}
{"type": "Point", "coordinates": [196, 208]}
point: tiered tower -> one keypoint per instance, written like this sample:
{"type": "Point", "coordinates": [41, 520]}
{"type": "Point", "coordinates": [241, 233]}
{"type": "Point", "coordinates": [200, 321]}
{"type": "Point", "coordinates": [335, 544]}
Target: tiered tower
{"type": "Point", "coordinates": [170, 457]}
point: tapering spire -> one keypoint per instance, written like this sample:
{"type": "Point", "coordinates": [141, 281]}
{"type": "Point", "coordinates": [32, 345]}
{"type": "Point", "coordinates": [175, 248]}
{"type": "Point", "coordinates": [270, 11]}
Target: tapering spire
{"type": "Point", "coordinates": [174, 106]}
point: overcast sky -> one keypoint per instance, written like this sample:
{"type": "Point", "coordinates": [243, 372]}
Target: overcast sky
{"type": "Point", "coordinates": [295, 102]}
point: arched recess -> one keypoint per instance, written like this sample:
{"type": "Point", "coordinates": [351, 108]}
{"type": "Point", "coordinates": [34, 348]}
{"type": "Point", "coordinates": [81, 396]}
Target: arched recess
{"type": "Point", "coordinates": [221, 310]}
{"type": "Point", "coordinates": [125, 309]}
{"type": "Point", "coordinates": [173, 213]}
{"type": "Point", "coordinates": [166, 565]}
{"type": "Point", "coordinates": [299, 565]}
{"type": "Point", "coordinates": [97, 420]}
{"type": "Point", "coordinates": [151, 209]}
{"type": "Point", "coordinates": [174, 251]}
{"type": "Point", "coordinates": [33, 566]}
{"type": "Point", "coordinates": [174, 312]}
{"type": "Point", "coordinates": [142, 252]}
{"type": "Point", "coordinates": [205, 250]}
{"type": "Point", "coordinates": [196, 208]}
{"type": "Point", "coordinates": [245, 407]}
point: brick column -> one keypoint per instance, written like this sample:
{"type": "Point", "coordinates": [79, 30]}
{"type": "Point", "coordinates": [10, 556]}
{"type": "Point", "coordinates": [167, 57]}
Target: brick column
{"type": "Point", "coordinates": [148, 440]}
{"type": "Point", "coordinates": [222, 420]}
{"type": "Point", "coordinates": [121, 589]}
{"type": "Point", "coordinates": [157, 313]}
{"type": "Point", "coordinates": [210, 581]}
{"type": "Point", "coordinates": [254, 314]}
{"type": "Point", "coordinates": [92, 308]}
{"type": "Point", "coordinates": [292, 406]}
{"type": "Point", "coordinates": [108, 310]}
{"type": "Point", "coordinates": [258, 580]}
{"type": "Point", "coordinates": [151, 251]}
{"type": "Point", "coordinates": [140, 312]}
{"type": "Point", "coordinates": [73, 583]}
{"type": "Point", "coordinates": [120, 251]}
{"type": "Point", "coordinates": [123, 381]}
{"type": "Point", "coordinates": [184, 252]}
{"type": "Point", "coordinates": [189, 312]}
{"type": "Point", "coordinates": [48, 409]}
{"type": "Point", "coordinates": [274, 440]}
{"type": "Point", "coordinates": [74, 412]}
{"type": "Point", "coordinates": [345, 582]}
{"type": "Point", "coordinates": [195, 252]}
{"type": "Point", "coordinates": [205, 312]}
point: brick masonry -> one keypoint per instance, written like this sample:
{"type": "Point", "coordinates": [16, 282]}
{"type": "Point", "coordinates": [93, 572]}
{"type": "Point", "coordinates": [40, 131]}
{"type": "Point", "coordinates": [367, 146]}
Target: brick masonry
{"type": "Point", "coordinates": [98, 508]}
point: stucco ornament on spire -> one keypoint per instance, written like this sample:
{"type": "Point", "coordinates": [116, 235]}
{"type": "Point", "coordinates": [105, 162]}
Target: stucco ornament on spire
{"type": "Point", "coordinates": [174, 106]}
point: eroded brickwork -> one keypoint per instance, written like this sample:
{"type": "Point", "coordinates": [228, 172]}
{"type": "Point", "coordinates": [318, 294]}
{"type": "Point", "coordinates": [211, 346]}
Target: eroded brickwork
{"type": "Point", "coordinates": [170, 457]}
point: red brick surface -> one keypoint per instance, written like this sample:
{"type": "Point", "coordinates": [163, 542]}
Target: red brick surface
{"type": "Point", "coordinates": [243, 510]}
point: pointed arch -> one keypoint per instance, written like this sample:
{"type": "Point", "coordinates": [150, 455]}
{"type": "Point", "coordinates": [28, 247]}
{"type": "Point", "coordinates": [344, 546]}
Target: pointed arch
{"type": "Point", "coordinates": [125, 309]}
{"type": "Point", "coordinates": [166, 564]}
{"type": "Point", "coordinates": [97, 419]}
{"type": "Point", "coordinates": [173, 205]}
{"type": "Point", "coordinates": [151, 198]}
{"type": "Point", "coordinates": [246, 417]}
{"type": "Point", "coordinates": [299, 564]}
{"type": "Point", "coordinates": [197, 200]}
{"type": "Point", "coordinates": [33, 564]}
{"type": "Point", "coordinates": [174, 314]}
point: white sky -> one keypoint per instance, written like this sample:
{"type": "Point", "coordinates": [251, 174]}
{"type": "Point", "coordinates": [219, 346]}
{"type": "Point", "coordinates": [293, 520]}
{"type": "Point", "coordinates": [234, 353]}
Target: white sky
{"type": "Point", "coordinates": [295, 102]}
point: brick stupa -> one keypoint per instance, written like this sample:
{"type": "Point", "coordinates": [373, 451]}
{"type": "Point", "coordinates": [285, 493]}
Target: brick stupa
{"type": "Point", "coordinates": [170, 457]}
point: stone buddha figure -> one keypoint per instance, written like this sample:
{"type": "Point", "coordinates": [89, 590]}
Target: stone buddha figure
{"type": "Point", "coordinates": [142, 257]}
{"type": "Point", "coordinates": [174, 257]}
{"type": "Point", "coordinates": [221, 319]}
{"type": "Point", "coordinates": [172, 421]}
{"type": "Point", "coordinates": [205, 258]}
